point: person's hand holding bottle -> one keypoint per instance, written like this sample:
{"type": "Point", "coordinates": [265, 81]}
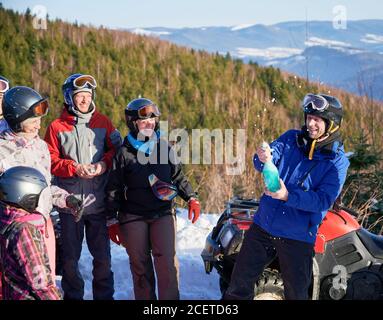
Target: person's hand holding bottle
{"type": "Point", "coordinates": [264, 153]}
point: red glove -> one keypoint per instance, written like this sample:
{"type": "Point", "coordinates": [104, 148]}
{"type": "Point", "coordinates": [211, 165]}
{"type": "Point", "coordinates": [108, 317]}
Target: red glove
{"type": "Point", "coordinates": [114, 233]}
{"type": "Point", "coordinates": [194, 209]}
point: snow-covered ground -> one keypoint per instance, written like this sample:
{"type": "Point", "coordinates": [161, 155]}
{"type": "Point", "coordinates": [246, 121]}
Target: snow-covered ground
{"type": "Point", "coordinates": [194, 282]}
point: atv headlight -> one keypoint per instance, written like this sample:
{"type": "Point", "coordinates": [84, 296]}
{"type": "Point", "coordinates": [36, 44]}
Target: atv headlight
{"type": "Point", "coordinates": [226, 236]}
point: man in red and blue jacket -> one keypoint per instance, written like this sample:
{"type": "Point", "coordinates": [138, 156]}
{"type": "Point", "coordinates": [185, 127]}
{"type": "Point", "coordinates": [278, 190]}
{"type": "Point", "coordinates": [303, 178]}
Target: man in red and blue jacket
{"type": "Point", "coordinates": [82, 143]}
{"type": "Point", "coordinates": [312, 166]}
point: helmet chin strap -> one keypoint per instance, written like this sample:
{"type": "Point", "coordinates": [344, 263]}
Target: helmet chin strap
{"type": "Point", "coordinates": [331, 130]}
{"type": "Point", "coordinates": [314, 142]}
{"type": "Point", "coordinates": [311, 153]}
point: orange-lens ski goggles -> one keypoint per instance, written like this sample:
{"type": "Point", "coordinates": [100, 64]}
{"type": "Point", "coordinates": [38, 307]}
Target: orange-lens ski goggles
{"type": "Point", "coordinates": [40, 109]}
{"type": "Point", "coordinates": [148, 111]}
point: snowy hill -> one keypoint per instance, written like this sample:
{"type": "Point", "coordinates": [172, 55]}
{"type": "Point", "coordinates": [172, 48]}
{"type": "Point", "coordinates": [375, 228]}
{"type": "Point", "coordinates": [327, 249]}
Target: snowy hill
{"type": "Point", "coordinates": [195, 284]}
{"type": "Point", "coordinates": [356, 50]}
{"type": "Point", "coordinates": [348, 68]}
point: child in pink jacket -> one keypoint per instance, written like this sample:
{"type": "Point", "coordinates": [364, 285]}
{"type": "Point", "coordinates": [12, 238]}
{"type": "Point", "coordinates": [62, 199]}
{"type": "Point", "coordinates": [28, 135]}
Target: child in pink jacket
{"type": "Point", "coordinates": [24, 261]}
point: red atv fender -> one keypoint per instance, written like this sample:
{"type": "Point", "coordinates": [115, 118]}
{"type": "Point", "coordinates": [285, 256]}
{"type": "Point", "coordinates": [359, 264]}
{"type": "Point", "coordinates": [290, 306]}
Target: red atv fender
{"type": "Point", "coordinates": [334, 225]}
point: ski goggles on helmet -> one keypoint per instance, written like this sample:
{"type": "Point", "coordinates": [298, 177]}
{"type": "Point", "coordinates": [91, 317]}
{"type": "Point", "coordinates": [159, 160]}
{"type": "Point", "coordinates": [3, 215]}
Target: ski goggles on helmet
{"type": "Point", "coordinates": [39, 109]}
{"type": "Point", "coordinates": [313, 102]}
{"type": "Point", "coordinates": [148, 111]}
{"type": "Point", "coordinates": [162, 190]}
{"type": "Point", "coordinates": [4, 86]}
{"type": "Point", "coordinates": [84, 81]}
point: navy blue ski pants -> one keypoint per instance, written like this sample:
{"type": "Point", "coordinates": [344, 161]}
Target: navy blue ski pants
{"type": "Point", "coordinates": [72, 235]}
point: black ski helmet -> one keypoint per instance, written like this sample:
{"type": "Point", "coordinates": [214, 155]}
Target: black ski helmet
{"type": "Point", "coordinates": [21, 103]}
{"type": "Point", "coordinates": [331, 112]}
{"type": "Point", "coordinates": [140, 108]}
{"type": "Point", "coordinates": [21, 187]}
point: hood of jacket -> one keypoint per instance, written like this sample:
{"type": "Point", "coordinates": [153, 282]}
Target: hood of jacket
{"type": "Point", "coordinates": [10, 214]}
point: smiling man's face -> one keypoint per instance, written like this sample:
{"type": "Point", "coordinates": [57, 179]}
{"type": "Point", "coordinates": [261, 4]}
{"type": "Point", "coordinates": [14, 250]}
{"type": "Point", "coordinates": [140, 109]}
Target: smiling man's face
{"type": "Point", "coordinates": [316, 126]}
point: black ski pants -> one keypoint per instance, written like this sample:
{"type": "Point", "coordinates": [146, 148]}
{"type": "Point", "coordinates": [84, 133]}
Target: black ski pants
{"type": "Point", "coordinates": [258, 250]}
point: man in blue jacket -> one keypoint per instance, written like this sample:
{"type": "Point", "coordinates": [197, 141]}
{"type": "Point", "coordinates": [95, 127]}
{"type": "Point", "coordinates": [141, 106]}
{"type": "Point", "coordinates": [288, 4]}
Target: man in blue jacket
{"type": "Point", "coordinates": [312, 167]}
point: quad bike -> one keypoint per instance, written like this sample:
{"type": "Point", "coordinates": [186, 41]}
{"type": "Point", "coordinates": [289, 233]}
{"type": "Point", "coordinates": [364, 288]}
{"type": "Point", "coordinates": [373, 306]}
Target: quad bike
{"type": "Point", "coordinates": [348, 261]}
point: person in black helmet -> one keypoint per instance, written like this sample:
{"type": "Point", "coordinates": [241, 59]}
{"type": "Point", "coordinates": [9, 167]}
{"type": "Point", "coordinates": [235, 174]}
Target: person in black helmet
{"type": "Point", "coordinates": [312, 166]}
{"type": "Point", "coordinates": [142, 192]}
{"type": "Point", "coordinates": [23, 110]}
{"type": "Point", "coordinates": [24, 258]}
{"type": "Point", "coordinates": [4, 87]}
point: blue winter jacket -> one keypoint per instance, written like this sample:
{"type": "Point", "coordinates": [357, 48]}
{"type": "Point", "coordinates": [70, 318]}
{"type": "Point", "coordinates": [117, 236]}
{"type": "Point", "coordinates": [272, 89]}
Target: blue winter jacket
{"type": "Point", "coordinates": [313, 186]}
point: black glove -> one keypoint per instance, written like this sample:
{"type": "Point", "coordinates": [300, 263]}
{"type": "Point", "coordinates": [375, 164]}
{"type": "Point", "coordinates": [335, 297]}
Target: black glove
{"type": "Point", "coordinates": [75, 204]}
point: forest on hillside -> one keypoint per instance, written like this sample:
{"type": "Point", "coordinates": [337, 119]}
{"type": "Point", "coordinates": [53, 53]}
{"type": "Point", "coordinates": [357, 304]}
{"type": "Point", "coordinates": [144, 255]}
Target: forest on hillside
{"type": "Point", "coordinates": [194, 89]}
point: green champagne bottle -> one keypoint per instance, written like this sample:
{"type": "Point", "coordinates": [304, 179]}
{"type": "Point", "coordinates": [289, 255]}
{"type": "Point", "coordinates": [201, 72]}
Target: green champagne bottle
{"type": "Point", "coordinates": [270, 173]}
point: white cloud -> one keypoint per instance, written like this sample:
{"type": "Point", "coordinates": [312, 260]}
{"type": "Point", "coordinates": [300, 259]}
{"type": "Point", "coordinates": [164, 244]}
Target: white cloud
{"type": "Point", "coordinates": [241, 26]}
{"type": "Point", "coordinates": [337, 45]}
{"type": "Point", "coordinates": [268, 53]}
{"type": "Point", "coordinates": [372, 38]}
{"type": "Point", "coordinates": [144, 32]}
{"type": "Point", "coordinates": [314, 41]}
{"type": "Point", "coordinates": [295, 59]}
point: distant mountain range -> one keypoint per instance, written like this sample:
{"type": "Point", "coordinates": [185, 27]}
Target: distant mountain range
{"type": "Point", "coordinates": [351, 58]}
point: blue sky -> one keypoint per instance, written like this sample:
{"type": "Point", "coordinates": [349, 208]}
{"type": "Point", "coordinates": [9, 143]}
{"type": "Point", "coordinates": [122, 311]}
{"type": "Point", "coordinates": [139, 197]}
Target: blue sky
{"type": "Point", "coordinates": [196, 13]}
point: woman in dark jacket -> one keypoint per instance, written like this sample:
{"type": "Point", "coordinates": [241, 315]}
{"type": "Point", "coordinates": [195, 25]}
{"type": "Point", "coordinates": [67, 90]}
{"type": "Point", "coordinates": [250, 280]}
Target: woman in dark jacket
{"type": "Point", "coordinates": [141, 187]}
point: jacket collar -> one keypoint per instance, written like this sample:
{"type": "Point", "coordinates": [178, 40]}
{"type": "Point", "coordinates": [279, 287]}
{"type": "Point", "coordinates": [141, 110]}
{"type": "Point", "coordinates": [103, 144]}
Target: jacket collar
{"type": "Point", "coordinates": [10, 214]}
{"type": "Point", "coordinates": [327, 149]}
{"type": "Point", "coordinates": [74, 118]}
{"type": "Point", "coordinates": [143, 146]}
